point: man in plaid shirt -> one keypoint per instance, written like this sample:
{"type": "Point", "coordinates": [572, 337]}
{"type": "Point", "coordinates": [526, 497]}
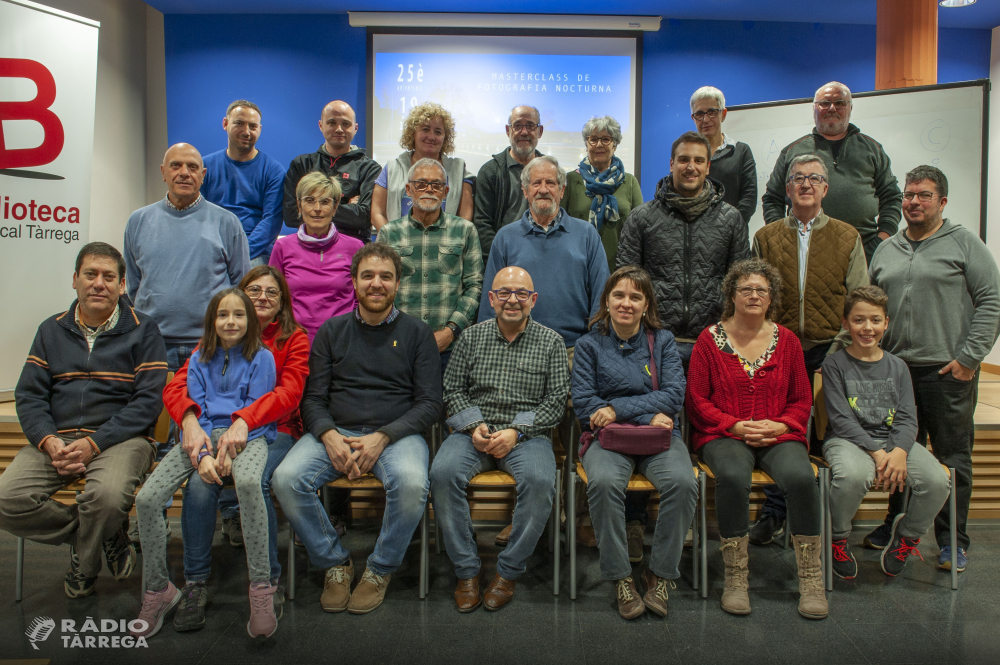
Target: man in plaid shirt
{"type": "Point", "coordinates": [505, 388]}
{"type": "Point", "coordinates": [442, 260]}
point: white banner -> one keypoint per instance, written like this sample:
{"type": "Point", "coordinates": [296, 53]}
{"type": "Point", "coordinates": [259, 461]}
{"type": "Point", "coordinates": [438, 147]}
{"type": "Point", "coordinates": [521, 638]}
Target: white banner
{"type": "Point", "coordinates": [48, 83]}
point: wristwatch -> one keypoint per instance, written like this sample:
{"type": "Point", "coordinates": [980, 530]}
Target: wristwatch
{"type": "Point", "coordinates": [455, 330]}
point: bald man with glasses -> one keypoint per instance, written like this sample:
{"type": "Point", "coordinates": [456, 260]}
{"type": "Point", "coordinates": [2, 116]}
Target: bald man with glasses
{"type": "Point", "coordinates": [863, 191]}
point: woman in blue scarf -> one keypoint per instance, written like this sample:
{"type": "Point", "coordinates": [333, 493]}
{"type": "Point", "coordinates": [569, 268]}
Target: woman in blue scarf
{"type": "Point", "coordinates": [599, 190]}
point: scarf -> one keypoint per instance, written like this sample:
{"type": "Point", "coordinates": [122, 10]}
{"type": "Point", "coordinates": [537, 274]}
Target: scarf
{"type": "Point", "coordinates": [601, 187]}
{"type": "Point", "coordinates": [691, 207]}
{"type": "Point", "coordinates": [321, 244]}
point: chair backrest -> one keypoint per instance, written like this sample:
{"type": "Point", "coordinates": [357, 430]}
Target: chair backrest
{"type": "Point", "coordinates": [162, 430]}
{"type": "Point", "coordinates": [820, 418]}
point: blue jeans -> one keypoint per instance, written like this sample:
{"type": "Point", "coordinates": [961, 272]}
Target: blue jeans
{"type": "Point", "coordinates": [670, 472]}
{"type": "Point", "coordinates": [201, 501]}
{"type": "Point", "coordinates": [533, 466]}
{"type": "Point", "coordinates": [402, 468]}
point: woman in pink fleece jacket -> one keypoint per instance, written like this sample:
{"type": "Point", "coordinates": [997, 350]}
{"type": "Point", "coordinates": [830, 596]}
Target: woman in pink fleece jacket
{"type": "Point", "coordinates": [316, 261]}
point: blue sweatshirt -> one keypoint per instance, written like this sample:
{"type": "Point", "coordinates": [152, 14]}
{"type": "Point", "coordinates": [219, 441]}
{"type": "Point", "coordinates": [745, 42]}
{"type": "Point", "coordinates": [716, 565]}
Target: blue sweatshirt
{"type": "Point", "coordinates": [250, 190]}
{"type": "Point", "coordinates": [228, 383]}
{"type": "Point", "coordinates": [568, 266]}
{"type": "Point", "coordinates": [175, 261]}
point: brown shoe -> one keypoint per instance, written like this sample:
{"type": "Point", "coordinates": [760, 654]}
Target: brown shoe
{"type": "Point", "coordinates": [498, 593]}
{"type": "Point", "coordinates": [812, 594]}
{"type": "Point", "coordinates": [634, 533]}
{"type": "Point", "coordinates": [630, 605]}
{"type": "Point", "coordinates": [656, 592]}
{"type": "Point", "coordinates": [585, 536]}
{"type": "Point", "coordinates": [337, 587]}
{"type": "Point", "coordinates": [735, 593]}
{"type": "Point", "coordinates": [504, 536]}
{"type": "Point", "coordinates": [467, 596]}
{"type": "Point", "coordinates": [369, 593]}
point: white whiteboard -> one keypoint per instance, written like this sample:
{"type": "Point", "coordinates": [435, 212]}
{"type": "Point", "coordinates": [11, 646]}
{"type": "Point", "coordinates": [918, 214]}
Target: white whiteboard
{"type": "Point", "coordinates": [942, 127]}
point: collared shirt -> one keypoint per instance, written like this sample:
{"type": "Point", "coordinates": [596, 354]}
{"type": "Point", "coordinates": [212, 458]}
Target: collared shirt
{"type": "Point", "coordinates": [442, 269]}
{"type": "Point", "coordinates": [387, 320]}
{"type": "Point", "coordinates": [805, 229]}
{"type": "Point", "coordinates": [724, 147]}
{"type": "Point", "coordinates": [553, 225]}
{"type": "Point", "coordinates": [521, 384]}
{"type": "Point", "coordinates": [169, 203]}
{"type": "Point", "coordinates": [91, 333]}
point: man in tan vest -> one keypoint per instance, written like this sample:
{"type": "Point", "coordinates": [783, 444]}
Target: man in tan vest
{"type": "Point", "coordinates": [821, 260]}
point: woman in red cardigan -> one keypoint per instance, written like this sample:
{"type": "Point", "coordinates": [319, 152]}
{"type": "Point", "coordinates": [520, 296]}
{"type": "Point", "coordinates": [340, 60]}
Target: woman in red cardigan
{"type": "Point", "coordinates": [748, 400]}
{"type": "Point", "coordinates": [289, 344]}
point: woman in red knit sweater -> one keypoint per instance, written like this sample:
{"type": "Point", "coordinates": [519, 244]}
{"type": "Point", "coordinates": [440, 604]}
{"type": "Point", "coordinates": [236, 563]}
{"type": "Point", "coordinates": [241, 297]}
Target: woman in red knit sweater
{"type": "Point", "coordinates": [268, 290]}
{"type": "Point", "coordinates": [748, 400]}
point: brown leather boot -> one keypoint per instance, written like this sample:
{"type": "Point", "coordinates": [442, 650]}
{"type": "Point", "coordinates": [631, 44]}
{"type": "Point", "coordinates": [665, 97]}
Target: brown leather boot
{"type": "Point", "coordinates": [504, 536]}
{"type": "Point", "coordinates": [657, 592]}
{"type": "Point", "coordinates": [812, 595]}
{"type": "Point", "coordinates": [467, 596]}
{"type": "Point", "coordinates": [498, 593]}
{"type": "Point", "coordinates": [630, 605]}
{"type": "Point", "coordinates": [735, 595]}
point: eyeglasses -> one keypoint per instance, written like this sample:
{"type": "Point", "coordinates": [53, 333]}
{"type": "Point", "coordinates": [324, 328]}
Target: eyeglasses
{"type": "Point", "coordinates": [839, 103]}
{"type": "Point", "coordinates": [423, 185]}
{"type": "Point", "coordinates": [599, 140]}
{"type": "Point", "coordinates": [923, 196]}
{"type": "Point", "coordinates": [709, 113]}
{"type": "Point", "coordinates": [503, 295]}
{"type": "Point", "coordinates": [255, 291]}
{"type": "Point", "coordinates": [524, 126]}
{"type": "Point", "coordinates": [747, 291]}
{"type": "Point", "coordinates": [312, 201]}
{"type": "Point", "coordinates": [814, 178]}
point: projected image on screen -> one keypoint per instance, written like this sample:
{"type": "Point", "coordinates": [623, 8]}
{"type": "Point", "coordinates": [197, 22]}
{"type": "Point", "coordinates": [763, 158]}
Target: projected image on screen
{"type": "Point", "coordinates": [479, 79]}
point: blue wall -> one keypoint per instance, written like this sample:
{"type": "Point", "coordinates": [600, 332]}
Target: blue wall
{"type": "Point", "coordinates": [291, 65]}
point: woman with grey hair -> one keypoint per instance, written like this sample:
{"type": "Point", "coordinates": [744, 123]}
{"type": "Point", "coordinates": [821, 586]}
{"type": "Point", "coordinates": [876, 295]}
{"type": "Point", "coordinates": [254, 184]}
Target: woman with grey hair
{"type": "Point", "coordinates": [599, 190]}
{"type": "Point", "coordinates": [732, 164]}
{"type": "Point", "coordinates": [748, 401]}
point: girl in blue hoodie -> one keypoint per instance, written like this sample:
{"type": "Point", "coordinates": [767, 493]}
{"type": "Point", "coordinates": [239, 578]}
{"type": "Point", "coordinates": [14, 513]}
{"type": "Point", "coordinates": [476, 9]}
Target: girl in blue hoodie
{"type": "Point", "coordinates": [229, 371]}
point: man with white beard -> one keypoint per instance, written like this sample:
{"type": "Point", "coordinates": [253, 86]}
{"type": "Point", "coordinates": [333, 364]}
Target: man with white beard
{"type": "Point", "coordinates": [499, 200]}
{"type": "Point", "coordinates": [564, 255]}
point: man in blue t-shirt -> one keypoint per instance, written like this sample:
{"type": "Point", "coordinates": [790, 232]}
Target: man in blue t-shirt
{"type": "Point", "coordinates": [245, 181]}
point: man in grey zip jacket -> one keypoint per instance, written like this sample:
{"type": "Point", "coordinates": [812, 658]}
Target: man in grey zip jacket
{"type": "Point", "coordinates": [863, 191]}
{"type": "Point", "coordinates": [944, 316]}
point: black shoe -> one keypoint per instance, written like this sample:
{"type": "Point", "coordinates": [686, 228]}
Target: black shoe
{"type": "Point", "coordinates": [77, 585]}
{"type": "Point", "coordinates": [190, 614]}
{"type": "Point", "coordinates": [120, 553]}
{"type": "Point", "coordinates": [765, 529]}
{"type": "Point", "coordinates": [339, 525]}
{"type": "Point", "coordinates": [233, 530]}
{"type": "Point", "coordinates": [279, 600]}
{"type": "Point", "coordinates": [879, 538]}
{"type": "Point", "coordinates": [900, 548]}
{"type": "Point", "coordinates": [845, 566]}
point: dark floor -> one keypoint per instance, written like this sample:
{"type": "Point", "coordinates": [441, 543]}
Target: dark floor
{"type": "Point", "coordinates": [912, 619]}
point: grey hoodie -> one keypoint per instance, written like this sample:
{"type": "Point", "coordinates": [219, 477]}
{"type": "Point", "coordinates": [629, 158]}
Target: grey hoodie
{"type": "Point", "coordinates": [944, 298]}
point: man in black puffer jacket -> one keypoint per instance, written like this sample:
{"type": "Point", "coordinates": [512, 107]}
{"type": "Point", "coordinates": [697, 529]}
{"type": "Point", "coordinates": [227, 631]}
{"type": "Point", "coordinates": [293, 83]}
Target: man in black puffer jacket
{"type": "Point", "coordinates": [686, 238]}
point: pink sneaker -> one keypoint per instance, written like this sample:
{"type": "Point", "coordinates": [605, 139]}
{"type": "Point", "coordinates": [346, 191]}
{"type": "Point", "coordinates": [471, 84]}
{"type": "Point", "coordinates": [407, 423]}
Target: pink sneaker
{"type": "Point", "coordinates": [263, 621]}
{"type": "Point", "coordinates": [155, 605]}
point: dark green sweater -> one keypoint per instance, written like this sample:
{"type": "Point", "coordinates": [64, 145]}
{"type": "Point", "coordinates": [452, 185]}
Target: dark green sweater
{"type": "Point", "coordinates": [862, 186]}
{"type": "Point", "coordinates": [576, 202]}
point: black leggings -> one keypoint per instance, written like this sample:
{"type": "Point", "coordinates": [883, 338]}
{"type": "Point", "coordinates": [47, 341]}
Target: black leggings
{"type": "Point", "coordinates": [787, 463]}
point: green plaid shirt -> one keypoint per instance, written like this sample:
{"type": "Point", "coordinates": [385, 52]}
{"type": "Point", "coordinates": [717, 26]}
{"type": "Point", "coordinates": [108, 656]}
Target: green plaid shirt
{"type": "Point", "coordinates": [442, 269]}
{"type": "Point", "coordinates": [521, 384]}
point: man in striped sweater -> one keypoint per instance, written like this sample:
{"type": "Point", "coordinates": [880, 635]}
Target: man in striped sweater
{"type": "Point", "coordinates": [87, 400]}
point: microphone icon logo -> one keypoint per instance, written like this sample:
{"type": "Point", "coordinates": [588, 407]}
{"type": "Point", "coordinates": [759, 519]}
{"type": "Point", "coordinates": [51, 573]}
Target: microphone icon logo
{"type": "Point", "coordinates": [39, 630]}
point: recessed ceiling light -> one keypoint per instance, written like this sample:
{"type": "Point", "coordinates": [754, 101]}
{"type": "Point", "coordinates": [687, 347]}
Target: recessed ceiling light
{"type": "Point", "coordinates": [957, 3]}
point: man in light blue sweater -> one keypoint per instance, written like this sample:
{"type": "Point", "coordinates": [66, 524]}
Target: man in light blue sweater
{"type": "Point", "coordinates": [180, 251]}
{"type": "Point", "coordinates": [563, 254]}
{"type": "Point", "coordinates": [245, 181]}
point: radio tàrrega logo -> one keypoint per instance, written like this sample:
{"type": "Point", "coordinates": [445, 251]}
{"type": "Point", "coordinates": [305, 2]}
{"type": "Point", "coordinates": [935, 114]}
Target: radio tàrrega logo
{"type": "Point", "coordinates": [37, 110]}
{"type": "Point", "coordinates": [39, 630]}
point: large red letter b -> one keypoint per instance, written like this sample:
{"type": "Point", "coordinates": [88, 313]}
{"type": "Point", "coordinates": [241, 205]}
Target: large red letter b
{"type": "Point", "coordinates": [37, 110]}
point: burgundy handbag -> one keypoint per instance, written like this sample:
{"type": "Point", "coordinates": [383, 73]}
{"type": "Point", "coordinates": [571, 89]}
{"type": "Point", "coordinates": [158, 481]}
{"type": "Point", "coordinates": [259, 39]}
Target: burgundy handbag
{"type": "Point", "coordinates": [629, 439]}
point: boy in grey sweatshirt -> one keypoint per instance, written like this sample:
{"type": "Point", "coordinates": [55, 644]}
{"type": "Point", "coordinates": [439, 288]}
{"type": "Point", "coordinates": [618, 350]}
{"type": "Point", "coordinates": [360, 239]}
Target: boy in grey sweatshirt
{"type": "Point", "coordinates": [870, 437]}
